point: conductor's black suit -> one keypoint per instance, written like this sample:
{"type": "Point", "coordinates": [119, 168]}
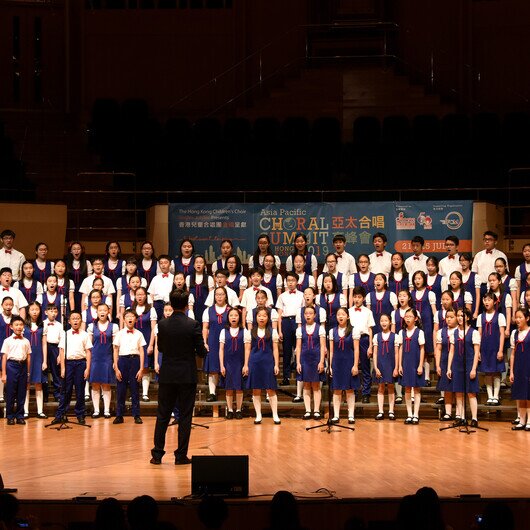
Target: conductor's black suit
{"type": "Point", "coordinates": [180, 341]}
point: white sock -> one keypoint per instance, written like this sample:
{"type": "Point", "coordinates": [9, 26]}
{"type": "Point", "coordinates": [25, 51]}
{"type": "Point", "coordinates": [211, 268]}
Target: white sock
{"type": "Point", "coordinates": [26, 403]}
{"type": "Point", "coordinates": [399, 390]}
{"type": "Point", "coordinates": [299, 388]}
{"type": "Point", "coordinates": [146, 379]}
{"type": "Point", "coordinates": [336, 405]}
{"type": "Point", "coordinates": [230, 402]}
{"type": "Point", "coordinates": [256, 399]}
{"type": "Point", "coordinates": [417, 402]}
{"type": "Point", "coordinates": [427, 368]}
{"type": "Point", "coordinates": [87, 389]}
{"type": "Point", "coordinates": [317, 398]}
{"type": "Point", "coordinates": [380, 401]}
{"type": "Point", "coordinates": [496, 386]}
{"type": "Point", "coordinates": [307, 399]}
{"type": "Point", "coordinates": [391, 398]}
{"type": "Point", "coordinates": [1, 389]}
{"type": "Point", "coordinates": [106, 400]}
{"type": "Point", "coordinates": [273, 400]}
{"type": "Point", "coordinates": [488, 380]}
{"type": "Point", "coordinates": [212, 383]}
{"type": "Point", "coordinates": [95, 400]}
{"type": "Point", "coordinates": [408, 402]}
{"type": "Point", "coordinates": [350, 399]}
{"type": "Point", "coordinates": [39, 397]}
{"type": "Point", "coordinates": [239, 401]}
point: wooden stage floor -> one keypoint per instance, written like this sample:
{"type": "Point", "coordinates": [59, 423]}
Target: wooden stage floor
{"type": "Point", "coordinates": [379, 459]}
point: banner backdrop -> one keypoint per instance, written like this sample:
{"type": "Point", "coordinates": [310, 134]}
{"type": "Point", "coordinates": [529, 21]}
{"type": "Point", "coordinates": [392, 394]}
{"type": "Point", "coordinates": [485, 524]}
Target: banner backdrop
{"type": "Point", "coordinates": [208, 224]}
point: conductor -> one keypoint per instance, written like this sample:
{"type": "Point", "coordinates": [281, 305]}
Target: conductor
{"type": "Point", "coordinates": [180, 340]}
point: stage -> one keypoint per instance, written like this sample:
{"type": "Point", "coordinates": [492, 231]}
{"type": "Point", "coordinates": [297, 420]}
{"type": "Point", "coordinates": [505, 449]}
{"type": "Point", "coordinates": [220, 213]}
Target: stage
{"type": "Point", "coordinates": [378, 460]}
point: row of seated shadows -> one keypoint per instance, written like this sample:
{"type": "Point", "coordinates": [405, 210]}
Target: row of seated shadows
{"type": "Point", "coordinates": [158, 4]}
{"type": "Point", "coordinates": [396, 152]}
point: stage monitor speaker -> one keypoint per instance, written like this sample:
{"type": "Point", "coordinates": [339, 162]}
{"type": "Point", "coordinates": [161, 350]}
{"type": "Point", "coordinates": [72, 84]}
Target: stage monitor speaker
{"type": "Point", "coordinates": [220, 475]}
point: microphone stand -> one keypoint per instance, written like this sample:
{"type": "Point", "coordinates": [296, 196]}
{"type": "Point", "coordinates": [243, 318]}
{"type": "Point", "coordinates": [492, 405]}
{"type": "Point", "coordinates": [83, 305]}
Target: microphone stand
{"type": "Point", "coordinates": [329, 425]}
{"type": "Point", "coordinates": [463, 425]}
{"type": "Point", "coordinates": [65, 422]}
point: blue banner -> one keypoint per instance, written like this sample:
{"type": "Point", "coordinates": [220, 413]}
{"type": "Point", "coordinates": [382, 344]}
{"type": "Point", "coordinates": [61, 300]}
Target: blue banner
{"type": "Point", "coordinates": [208, 224]}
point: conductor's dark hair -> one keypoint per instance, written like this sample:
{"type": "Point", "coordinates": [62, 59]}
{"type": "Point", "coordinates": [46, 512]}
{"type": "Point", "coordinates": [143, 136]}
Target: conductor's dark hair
{"type": "Point", "coordinates": [179, 299]}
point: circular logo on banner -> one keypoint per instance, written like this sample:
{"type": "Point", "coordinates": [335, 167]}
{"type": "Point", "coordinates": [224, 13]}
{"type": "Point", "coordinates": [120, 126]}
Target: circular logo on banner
{"type": "Point", "coordinates": [289, 223]}
{"type": "Point", "coordinates": [453, 220]}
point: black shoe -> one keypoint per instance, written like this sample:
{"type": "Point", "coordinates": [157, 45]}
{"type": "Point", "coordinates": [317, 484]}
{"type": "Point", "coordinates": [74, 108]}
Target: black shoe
{"type": "Point", "coordinates": [96, 415]}
{"type": "Point", "coordinates": [474, 423]}
{"type": "Point", "coordinates": [211, 398]}
{"type": "Point", "coordinates": [399, 400]}
{"type": "Point", "coordinates": [427, 382]}
{"type": "Point", "coordinates": [87, 398]}
{"type": "Point", "coordinates": [117, 419]}
{"type": "Point", "coordinates": [297, 399]}
{"type": "Point", "coordinates": [11, 421]}
{"type": "Point", "coordinates": [285, 382]}
{"type": "Point", "coordinates": [518, 427]}
{"type": "Point", "coordinates": [182, 461]}
{"type": "Point", "coordinates": [230, 415]}
{"type": "Point", "coordinates": [277, 422]}
{"type": "Point", "coordinates": [440, 401]}
{"type": "Point", "coordinates": [446, 417]}
{"type": "Point", "coordinates": [155, 461]}
{"type": "Point", "coordinates": [21, 421]}
{"type": "Point", "coordinates": [56, 421]}
{"type": "Point", "coordinates": [81, 420]}
{"type": "Point", "coordinates": [145, 398]}
{"type": "Point", "coordinates": [307, 416]}
{"type": "Point", "coordinates": [138, 420]}
{"type": "Point", "coordinates": [42, 416]}
{"type": "Point", "coordinates": [238, 415]}
{"type": "Point", "coordinates": [366, 398]}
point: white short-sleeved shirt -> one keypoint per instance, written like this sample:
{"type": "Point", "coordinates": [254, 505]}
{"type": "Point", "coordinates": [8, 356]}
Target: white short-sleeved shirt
{"type": "Point", "coordinates": [431, 297]}
{"type": "Point", "coordinates": [416, 263]}
{"type": "Point", "coordinates": [234, 333]}
{"type": "Point", "coordinates": [489, 318]}
{"type": "Point", "coordinates": [16, 349]}
{"type": "Point", "coordinates": [381, 262]}
{"type": "Point", "coordinates": [71, 284]}
{"type": "Point", "coordinates": [344, 282]}
{"type": "Point", "coordinates": [400, 337]}
{"type": "Point", "coordinates": [290, 303]}
{"type": "Point", "coordinates": [118, 286]}
{"type": "Point", "coordinates": [108, 286]}
{"type": "Point", "coordinates": [518, 271]}
{"type": "Point", "coordinates": [289, 263]}
{"type": "Point", "coordinates": [261, 333]}
{"type": "Point", "coordinates": [322, 315]}
{"type": "Point", "coordinates": [393, 298]}
{"type": "Point", "coordinates": [233, 298]}
{"type": "Point", "coordinates": [311, 329]}
{"type": "Point", "coordinates": [248, 300]}
{"type": "Point", "coordinates": [199, 279]}
{"type": "Point", "coordinates": [53, 331]}
{"type": "Point", "coordinates": [13, 260]}
{"type": "Point", "coordinates": [342, 331]}
{"type": "Point", "coordinates": [450, 331]}
{"type": "Point", "coordinates": [161, 286]}
{"type": "Point", "coordinates": [345, 263]}
{"type": "Point", "coordinates": [218, 309]}
{"type": "Point", "coordinates": [401, 314]}
{"type": "Point", "coordinates": [448, 265]}
{"type": "Point", "coordinates": [484, 263]}
{"type": "Point", "coordinates": [301, 278]}
{"type": "Point", "coordinates": [115, 329]}
{"type": "Point", "coordinates": [273, 313]}
{"type": "Point", "coordinates": [243, 282]}
{"type": "Point", "coordinates": [140, 310]}
{"type": "Point", "coordinates": [279, 280]}
{"type": "Point", "coordinates": [384, 335]}
{"type": "Point", "coordinates": [113, 265]}
{"type": "Point", "coordinates": [512, 284]}
{"type": "Point", "coordinates": [361, 320]}
{"type": "Point", "coordinates": [78, 343]}
{"type": "Point", "coordinates": [436, 317]}
{"type": "Point", "coordinates": [468, 299]}
{"type": "Point", "coordinates": [522, 336]}
{"type": "Point", "coordinates": [475, 337]}
{"type": "Point", "coordinates": [129, 343]}
{"type": "Point", "coordinates": [342, 299]}
{"type": "Point", "coordinates": [19, 300]}
{"type": "Point", "coordinates": [508, 302]}
{"type": "Point", "coordinates": [363, 276]}
{"type": "Point", "coordinates": [22, 283]}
